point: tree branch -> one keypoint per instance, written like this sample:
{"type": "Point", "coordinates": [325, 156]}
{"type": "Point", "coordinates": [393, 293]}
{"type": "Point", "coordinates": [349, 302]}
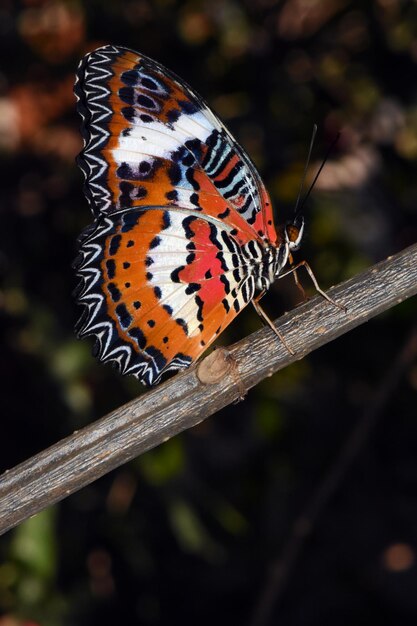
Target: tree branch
{"type": "Point", "coordinates": [190, 397]}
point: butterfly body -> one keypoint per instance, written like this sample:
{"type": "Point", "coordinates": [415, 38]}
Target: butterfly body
{"type": "Point", "coordinates": [183, 234]}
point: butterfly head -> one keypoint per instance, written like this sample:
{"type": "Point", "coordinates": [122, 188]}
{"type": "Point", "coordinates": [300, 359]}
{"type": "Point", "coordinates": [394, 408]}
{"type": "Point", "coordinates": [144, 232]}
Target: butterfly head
{"type": "Point", "coordinates": [293, 233]}
{"type": "Point", "coordinates": [277, 258]}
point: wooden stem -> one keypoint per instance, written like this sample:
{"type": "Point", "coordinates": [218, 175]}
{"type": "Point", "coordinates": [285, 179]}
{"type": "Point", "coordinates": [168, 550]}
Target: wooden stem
{"type": "Point", "coordinates": [194, 395]}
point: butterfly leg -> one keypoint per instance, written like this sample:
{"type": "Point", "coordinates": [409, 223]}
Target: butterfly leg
{"type": "Point", "coordinates": [264, 317]}
{"type": "Point", "coordinates": [296, 279]}
{"type": "Point", "coordinates": [293, 270]}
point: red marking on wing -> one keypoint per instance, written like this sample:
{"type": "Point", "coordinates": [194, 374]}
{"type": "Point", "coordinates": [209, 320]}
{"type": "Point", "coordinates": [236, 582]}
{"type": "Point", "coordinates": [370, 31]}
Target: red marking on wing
{"type": "Point", "coordinates": [128, 276]}
{"type": "Point", "coordinates": [215, 205]}
{"type": "Point", "coordinates": [212, 290]}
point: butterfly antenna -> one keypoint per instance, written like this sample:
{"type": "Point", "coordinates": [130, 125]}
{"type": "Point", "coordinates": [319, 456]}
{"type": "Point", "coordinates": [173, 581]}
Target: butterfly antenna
{"type": "Point", "coordinates": [303, 178]}
{"type": "Point", "coordinates": [326, 156]}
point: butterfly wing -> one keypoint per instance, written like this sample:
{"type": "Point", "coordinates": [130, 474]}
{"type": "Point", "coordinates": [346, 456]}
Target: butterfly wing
{"type": "Point", "coordinates": [151, 141]}
{"type": "Point", "coordinates": [158, 286]}
{"type": "Point", "coordinates": [181, 213]}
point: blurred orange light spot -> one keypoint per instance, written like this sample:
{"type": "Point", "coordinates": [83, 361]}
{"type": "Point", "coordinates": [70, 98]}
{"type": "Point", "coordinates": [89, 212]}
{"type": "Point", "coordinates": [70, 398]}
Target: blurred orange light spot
{"type": "Point", "coordinates": [302, 18]}
{"type": "Point", "coordinates": [398, 557]}
{"type": "Point", "coordinates": [54, 30]}
{"type": "Point", "coordinates": [99, 567]}
{"type": "Point", "coordinates": [121, 493]}
{"type": "Point", "coordinates": [195, 27]}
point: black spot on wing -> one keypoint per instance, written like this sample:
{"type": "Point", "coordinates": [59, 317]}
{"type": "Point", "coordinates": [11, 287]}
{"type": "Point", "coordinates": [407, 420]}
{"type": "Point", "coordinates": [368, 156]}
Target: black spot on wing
{"type": "Point", "coordinates": [173, 115]}
{"type": "Point", "coordinates": [174, 173]}
{"type": "Point", "coordinates": [146, 102]}
{"type": "Point", "coordinates": [125, 199]}
{"type": "Point", "coordinates": [199, 302]}
{"type": "Point", "coordinates": [166, 220]}
{"type": "Point", "coordinates": [114, 292]}
{"type": "Point", "coordinates": [144, 167]}
{"type": "Point", "coordinates": [138, 335]}
{"type": "Point", "coordinates": [225, 213]}
{"type": "Point", "coordinates": [130, 78]}
{"type": "Point", "coordinates": [223, 278]}
{"type": "Point", "coordinates": [223, 264]}
{"type": "Point", "coordinates": [148, 83]}
{"type": "Point", "coordinates": [155, 242]}
{"type": "Point", "coordinates": [175, 274]}
{"type": "Point", "coordinates": [145, 170]}
{"type": "Point", "coordinates": [228, 241]}
{"type": "Point", "coordinates": [124, 316]}
{"type": "Point", "coordinates": [128, 113]}
{"type": "Point", "coordinates": [111, 268]}
{"type": "Point", "coordinates": [181, 322]}
{"type": "Point", "coordinates": [213, 236]}
{"type": "Point", "coordinates": [141, 192]}
{"type": "Point", "coordinates": [189, 175]}
{"type": "Point", "coordinates": [157, 356]}
{"type": "Point", "coordinates": [130, 219]}
{"type": "Point", "coordinates": [188, 159]}
{"type": "Point", "coordinates": [188, 107]}
{"type": "Point", "coordinates": [127, 95]}
{"type": "Point", "coordinates": [194, 199]}
{"type": "Point", "coordinates": [187, 224]}
{"type": "Point", "coordinates": [114, 244]}
{"type": "Point", "coordinates": [194, 146]}
{"type": "Point", "coordinates": [192, 288]}
{"type": "Point", "coordinates": [172, 195]}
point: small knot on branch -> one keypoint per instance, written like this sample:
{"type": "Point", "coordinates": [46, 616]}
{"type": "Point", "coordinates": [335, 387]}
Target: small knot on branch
{"type": "Point", "coordinates": [215, 367]}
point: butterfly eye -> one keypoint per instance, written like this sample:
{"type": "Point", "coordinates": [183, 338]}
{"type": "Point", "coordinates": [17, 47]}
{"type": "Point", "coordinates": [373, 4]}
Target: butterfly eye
{"type": "Point", "coordinates": [294, 233]}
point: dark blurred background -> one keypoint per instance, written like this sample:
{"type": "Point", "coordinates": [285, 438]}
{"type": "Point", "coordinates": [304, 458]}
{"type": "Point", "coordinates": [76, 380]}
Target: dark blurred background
{"type": "Point", "coordinates": [206, 528]}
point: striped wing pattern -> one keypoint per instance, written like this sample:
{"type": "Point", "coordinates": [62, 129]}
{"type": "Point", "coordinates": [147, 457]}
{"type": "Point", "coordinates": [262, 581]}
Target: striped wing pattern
{"type": "Point", "coordinates": [182, 219]}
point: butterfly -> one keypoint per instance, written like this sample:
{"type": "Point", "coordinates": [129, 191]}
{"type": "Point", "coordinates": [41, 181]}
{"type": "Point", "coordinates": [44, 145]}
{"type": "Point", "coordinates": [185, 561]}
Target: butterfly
{"type": "Point", "coordinates": [183, 237]}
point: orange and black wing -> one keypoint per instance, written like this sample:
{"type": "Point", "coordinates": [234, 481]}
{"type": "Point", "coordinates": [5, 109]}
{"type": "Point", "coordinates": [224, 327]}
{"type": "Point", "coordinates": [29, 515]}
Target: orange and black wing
{"type": "Point", "coordinates": [151, 141]}
{"type": "Point", "coordinates": [182, 217]}
{"type": "Point", "coordinates": [158, 286]}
